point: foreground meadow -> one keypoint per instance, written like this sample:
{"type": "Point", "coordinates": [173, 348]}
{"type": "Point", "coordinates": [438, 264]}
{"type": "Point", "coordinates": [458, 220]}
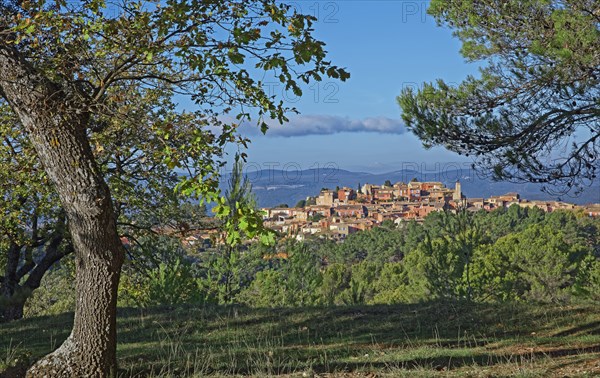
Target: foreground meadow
{"type": "Point", "coordinates": [433, 339]}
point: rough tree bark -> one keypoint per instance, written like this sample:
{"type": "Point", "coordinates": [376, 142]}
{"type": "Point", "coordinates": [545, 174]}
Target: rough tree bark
{"type": "Point", "coordinates": [55, 120]}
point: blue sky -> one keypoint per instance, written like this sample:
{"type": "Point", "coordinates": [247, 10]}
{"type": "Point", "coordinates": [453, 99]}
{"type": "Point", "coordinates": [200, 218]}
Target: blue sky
{"type": "Point", "coordinates": [386, 45]}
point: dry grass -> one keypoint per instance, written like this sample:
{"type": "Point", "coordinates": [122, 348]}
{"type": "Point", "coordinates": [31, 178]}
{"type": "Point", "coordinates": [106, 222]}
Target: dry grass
{"type": "Point", "coordinates": [426, 340]}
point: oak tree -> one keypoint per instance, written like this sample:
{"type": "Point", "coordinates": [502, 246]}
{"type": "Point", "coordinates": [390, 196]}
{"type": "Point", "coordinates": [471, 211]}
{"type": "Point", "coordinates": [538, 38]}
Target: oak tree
{"type": "Point", "coordinates": [97, 87]}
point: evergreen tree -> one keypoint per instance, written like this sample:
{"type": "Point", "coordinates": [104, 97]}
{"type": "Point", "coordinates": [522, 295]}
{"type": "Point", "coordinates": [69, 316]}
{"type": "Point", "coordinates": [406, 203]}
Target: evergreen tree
{"type": "Point", "coordinates": [539, 85]}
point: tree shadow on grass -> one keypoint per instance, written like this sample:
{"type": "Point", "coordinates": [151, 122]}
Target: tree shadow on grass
{"type": "Point", "coordinates": [438, 363]}
{"type": "Point", "coordinates": [592, 328]}
{"type": "Point", "coordinates": [452, 362]}
{"type": "Point", "coordinates": [300, 336]}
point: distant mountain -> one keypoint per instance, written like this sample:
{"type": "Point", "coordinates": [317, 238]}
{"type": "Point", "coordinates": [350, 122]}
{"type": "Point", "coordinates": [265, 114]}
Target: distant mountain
{"type": "Point", "coordinates": [274, 187]}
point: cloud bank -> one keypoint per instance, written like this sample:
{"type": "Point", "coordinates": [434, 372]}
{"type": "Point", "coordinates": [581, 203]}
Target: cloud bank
{"type": "Point", "coordinates": [327, 125]}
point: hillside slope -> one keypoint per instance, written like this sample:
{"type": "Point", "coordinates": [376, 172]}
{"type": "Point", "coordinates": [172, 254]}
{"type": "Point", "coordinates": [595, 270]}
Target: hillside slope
{"type": "Point", "coordinates": [435, 339]}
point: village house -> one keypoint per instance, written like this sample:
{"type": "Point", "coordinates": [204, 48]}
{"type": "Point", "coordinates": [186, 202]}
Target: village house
{"type": "Point", "coordinates": [362, 224]}
{"type": "Point", "coordinates": [341, 231]}
{"type": "Point", "coordinates": [284, 213]}
{"type": "Point", "coordinates": [351, 211]}
{"type": "Point", "coordinates": [326, 198]}
{"type": "Point", "coordinates": [508, 197]}
{"type": "Point", "coordinates": [325, 211]}
{"type": "Point", "coordinates": [367, 189]}
{"type": "Point", "coordinates": [383, 194]}
{"type": "Point", "coordinates": [401, 191]}
{"type": "Point", "coordinates": [475, 204]}
{"type": "Point", "coordinates": [345, 195]}
{"type": "Point", "coordinates": [311, 229]}
{"type": "Point", "coordinates": [430, 186]}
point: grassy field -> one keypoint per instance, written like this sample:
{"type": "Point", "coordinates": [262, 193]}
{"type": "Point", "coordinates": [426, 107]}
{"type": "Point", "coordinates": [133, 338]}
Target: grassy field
{"type": "Point", "coordinates": [435, 339]}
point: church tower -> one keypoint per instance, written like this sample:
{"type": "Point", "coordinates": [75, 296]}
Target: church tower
{"type": "Point", "coordinates": [457, 196]}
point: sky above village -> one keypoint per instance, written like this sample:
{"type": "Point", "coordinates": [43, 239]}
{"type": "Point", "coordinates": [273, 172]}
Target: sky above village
{"type": "Point", "coordinates": [357, 125]}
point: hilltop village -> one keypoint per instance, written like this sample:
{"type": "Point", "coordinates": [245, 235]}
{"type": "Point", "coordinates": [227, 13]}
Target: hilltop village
{"type": "Point", "coordinates": [335, 214]}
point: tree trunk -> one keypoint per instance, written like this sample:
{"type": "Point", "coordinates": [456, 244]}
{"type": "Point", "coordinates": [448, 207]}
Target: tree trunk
{"type": "Point", "coordinates": [55, 118]}
{"type": "Point", "coordinates": [13, 302]}
{"type": "Point", "coordinates": [13, 307]}
{"type": "Point", "coordinates": [14, 293]}
{"type": "Point", "coordinates": [9, 286]}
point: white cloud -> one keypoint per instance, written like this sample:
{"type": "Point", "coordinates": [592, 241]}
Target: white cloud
{"type": "Point", "coordinates": [326, 125]}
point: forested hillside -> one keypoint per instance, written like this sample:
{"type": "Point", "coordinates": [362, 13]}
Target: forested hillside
{"type": "Point", "coordinates": [510, 254]}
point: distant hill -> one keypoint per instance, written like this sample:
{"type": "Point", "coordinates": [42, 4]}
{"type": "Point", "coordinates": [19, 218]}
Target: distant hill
{"type": "Point", "coordinates": [274, 187]}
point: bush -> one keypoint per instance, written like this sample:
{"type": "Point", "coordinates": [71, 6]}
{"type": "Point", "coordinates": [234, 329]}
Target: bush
{"type": "Point", "coordinates": [169, 284]}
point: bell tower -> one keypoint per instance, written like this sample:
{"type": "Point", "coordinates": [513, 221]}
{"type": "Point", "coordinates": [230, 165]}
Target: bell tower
{"type": "Point", "coordinates": [457, 196]}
